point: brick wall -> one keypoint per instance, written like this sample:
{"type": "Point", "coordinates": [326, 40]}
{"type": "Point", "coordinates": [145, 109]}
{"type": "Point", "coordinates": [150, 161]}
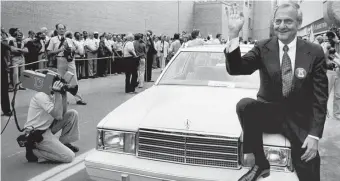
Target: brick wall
{"type": "Point", "coordinates": [111, 16]}
{"type": "Point", "coordinates": [208, 18]}
{"type": "Point", "coordinates": [263, 11]}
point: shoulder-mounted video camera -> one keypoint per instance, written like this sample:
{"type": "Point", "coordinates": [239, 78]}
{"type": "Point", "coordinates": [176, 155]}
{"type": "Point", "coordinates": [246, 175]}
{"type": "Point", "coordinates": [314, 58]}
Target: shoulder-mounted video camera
{"type": "Point", "coordinates": [43, 80]}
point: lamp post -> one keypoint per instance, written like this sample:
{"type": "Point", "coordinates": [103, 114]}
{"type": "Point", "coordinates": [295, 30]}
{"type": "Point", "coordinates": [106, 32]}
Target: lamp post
{"type": "Point", "coordinates": [178, 16]}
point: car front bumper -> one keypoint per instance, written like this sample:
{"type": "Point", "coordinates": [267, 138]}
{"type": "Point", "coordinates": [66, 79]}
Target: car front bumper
{"type": "Point", "coordinates": [101, 165]}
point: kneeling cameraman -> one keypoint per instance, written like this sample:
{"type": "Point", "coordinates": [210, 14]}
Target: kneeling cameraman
{"type": "Point", "coordinates": [48, 114]}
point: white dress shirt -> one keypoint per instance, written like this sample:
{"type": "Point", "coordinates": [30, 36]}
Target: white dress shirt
{"type": "Point", "coordinates": [128, 48]}
{"type": "Point", "coordinates": [234, 43]}
{"type": "Point", "coordinates": [92, 44]}
{"type": "Point", "coordinates": [291, 52]}
{"type": "Point", "coordinates": [108, 44]}
{"type": "Point", "coordinates": [80, 51]}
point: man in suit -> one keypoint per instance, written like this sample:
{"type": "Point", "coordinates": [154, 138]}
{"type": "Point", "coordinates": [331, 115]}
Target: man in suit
{"type": "Point", "coordinates": [293, 93]}
{"type": "Point", "coordinates": [151, 51]}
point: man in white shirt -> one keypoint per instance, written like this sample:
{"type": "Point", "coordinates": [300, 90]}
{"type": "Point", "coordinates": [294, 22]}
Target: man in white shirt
{"type": "Point", "coordinates": [157, 44]}
{"type": "Point", "coordinates": [91, 47]}
{"type": "Point", "coordinates": [174, 47]}
{"type": "Point", "coordinates": [79, 54]}
{"type": "Point", "coordinates": [293, 93]}
{"type": "Point", "coordinates": [30, 37]}
{"type": "Point", "coordinates": [196, 39]}
{"type": "Point", "coordinates": [218, 39]}
{"type": "Point", "coordinates": [44, 30]}
{"type": "Point", "coordinates": [48, 114]}
{"type": "Point", "coordinates": [110, 43]}
{"type": "Point", "coordinates": [58, 46]}
{"type": "Point", "coordinates": [130, 76]}
{"type": "Point", "coordinates": [164, 49]}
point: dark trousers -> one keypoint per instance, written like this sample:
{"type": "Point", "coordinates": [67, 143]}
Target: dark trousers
{"type": "Point", "coordinates": [5, 105]}
{"type": "Point", "coordinates": [119, 54]}
{"type": "Point", "coordinates": [130, 81]}
{"type": "Point", "coordinates": [101, 67]}
{"type": "Point", "coordinates": [80, 67]}
{"type": "Point", "coordinates": [86, 67]}
{"type": "Point", "coordinates": [148, 70]}
{"type": "Point", "coordinates": [257, 117]}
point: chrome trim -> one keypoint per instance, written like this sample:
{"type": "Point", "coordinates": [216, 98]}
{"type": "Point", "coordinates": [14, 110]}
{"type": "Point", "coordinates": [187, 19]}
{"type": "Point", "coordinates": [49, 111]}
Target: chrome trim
{"type": "Point", "coordinates": [289, 168]}
{"type": "Point", "coordinates": [116, 130]}
{"type": "Point", "coordinates": [162, 153]}
{"type": "Point", "coordinates": [211, 145]}
{"type": "Point", "coordinates": [112, 150]}
{"type": "Point", "coordinates": [161, 147]}
{"type": "Point", "coordinates": [116, 151]}
{"type": "Point", "coordinates": [211, 166]}
{"type": "Point", "coordinates": [161, 140]}
{"type": "Point", "coordinates": [198, 158]}
{"type": "Point", "coordinates": [188, 143]}
{"type": "Point", "coordinates": [199, 151]}
{"type": "Point", "coordinates": [220, 153]}
{"type": "Point", "coordinates": [189, 135]}
{"type": "Point", "coordinates": [180, 147]}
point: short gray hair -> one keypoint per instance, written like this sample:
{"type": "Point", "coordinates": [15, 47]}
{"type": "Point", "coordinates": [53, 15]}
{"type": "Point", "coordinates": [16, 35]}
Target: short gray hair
{"type": "Point", "coordinates": [129, 36]}
{"type": "Point", "coordinates": [293, 5]}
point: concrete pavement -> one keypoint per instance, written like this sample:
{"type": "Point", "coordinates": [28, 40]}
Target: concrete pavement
{"type": "Point", "coordinates": [103, 95]}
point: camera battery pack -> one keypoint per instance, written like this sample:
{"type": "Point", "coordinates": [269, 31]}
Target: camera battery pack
{"type": "Point", "coordinates": [37, 81]}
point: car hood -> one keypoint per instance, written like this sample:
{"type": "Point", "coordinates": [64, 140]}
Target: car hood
{"type": "Point", "coordinates": [195, 109]}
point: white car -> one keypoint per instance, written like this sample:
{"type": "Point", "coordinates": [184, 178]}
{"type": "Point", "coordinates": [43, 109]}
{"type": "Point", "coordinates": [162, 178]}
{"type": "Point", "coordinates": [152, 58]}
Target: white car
{"type": "Point", "coordinates": [185, 127]}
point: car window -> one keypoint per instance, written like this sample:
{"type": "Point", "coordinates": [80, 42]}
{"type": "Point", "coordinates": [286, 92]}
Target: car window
{"type": "Point", "coordinates": [205, 69]}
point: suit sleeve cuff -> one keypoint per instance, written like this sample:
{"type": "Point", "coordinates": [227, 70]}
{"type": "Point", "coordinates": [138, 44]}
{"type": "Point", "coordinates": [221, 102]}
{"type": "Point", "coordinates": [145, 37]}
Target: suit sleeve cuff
{"type": "Point", "coordinates": [234, 44]}
{"type": "Point", "coordinates": [317, 138]}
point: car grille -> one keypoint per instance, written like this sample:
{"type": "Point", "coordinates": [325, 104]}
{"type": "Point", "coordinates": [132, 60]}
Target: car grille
{"type": "Point", "coordinates": [196, 149]}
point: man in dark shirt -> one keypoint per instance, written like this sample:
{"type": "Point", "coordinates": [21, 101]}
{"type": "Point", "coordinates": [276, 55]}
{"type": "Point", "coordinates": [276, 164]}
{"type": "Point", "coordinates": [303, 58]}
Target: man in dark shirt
{"type": "Point", "coordinates": [34, 51]}
{"type": "Point", "coordinates": [5, 49]}
{"type": "Point", "coordinates": [151, 51]}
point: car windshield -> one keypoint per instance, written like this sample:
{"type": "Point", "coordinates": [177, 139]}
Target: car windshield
{"type": "Point", "coordinates": [205, 69]}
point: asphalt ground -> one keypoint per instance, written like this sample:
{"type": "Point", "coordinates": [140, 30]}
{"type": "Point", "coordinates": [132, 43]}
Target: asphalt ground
{"type": "Point", "coordinates": [103, 95]}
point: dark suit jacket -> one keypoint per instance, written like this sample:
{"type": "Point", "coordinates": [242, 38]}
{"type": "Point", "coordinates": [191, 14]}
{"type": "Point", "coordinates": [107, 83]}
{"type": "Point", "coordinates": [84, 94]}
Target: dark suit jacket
{"type": "Point", "coordinates": [306, 105]}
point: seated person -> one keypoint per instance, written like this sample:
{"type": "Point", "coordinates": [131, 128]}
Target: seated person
{"type": "Point", "coordinates": [48, 114]}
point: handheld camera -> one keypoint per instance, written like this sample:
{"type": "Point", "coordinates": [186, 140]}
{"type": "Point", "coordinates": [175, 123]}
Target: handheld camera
{"type": "Point", "coordinates": [43, 80]}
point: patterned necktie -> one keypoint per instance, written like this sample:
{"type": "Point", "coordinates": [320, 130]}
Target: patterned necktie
{"type": "Point", "coordinates": [286, 71]}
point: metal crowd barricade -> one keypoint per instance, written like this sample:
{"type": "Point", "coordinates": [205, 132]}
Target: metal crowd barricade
{"type": "Point", "coordinates": [123, 64]}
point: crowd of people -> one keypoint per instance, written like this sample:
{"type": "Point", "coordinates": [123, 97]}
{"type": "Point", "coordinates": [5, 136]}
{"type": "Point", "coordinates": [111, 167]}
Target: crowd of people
{"type": "Point", "coordinates": [330, 43]}
{"type": "Point", "coordinates": [88, 54]}
{"type": "Point", "coordinates": [85, 55]}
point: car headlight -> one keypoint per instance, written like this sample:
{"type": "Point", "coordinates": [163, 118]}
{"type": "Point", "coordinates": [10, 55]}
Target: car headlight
{"type": "Point", "coordinates": [120, 141]}
{"type": "Point", "coordinates": [279, 158]}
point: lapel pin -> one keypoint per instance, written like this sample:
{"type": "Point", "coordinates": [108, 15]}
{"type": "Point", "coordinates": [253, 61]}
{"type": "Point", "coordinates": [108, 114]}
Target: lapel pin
{"type": "Point", "coordinates": [300, 73]}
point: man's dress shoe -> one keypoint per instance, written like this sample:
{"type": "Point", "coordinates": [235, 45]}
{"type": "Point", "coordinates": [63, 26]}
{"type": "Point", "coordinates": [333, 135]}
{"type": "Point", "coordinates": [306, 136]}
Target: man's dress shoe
{"type": "Point", "coordinates": [72, 147]}
{"type": "Point", "coordinates": [80, 102]}
{"type": "Point", "coordinates": [30, 155]}
{"type": "Point", "coordinates": [255, 172]}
